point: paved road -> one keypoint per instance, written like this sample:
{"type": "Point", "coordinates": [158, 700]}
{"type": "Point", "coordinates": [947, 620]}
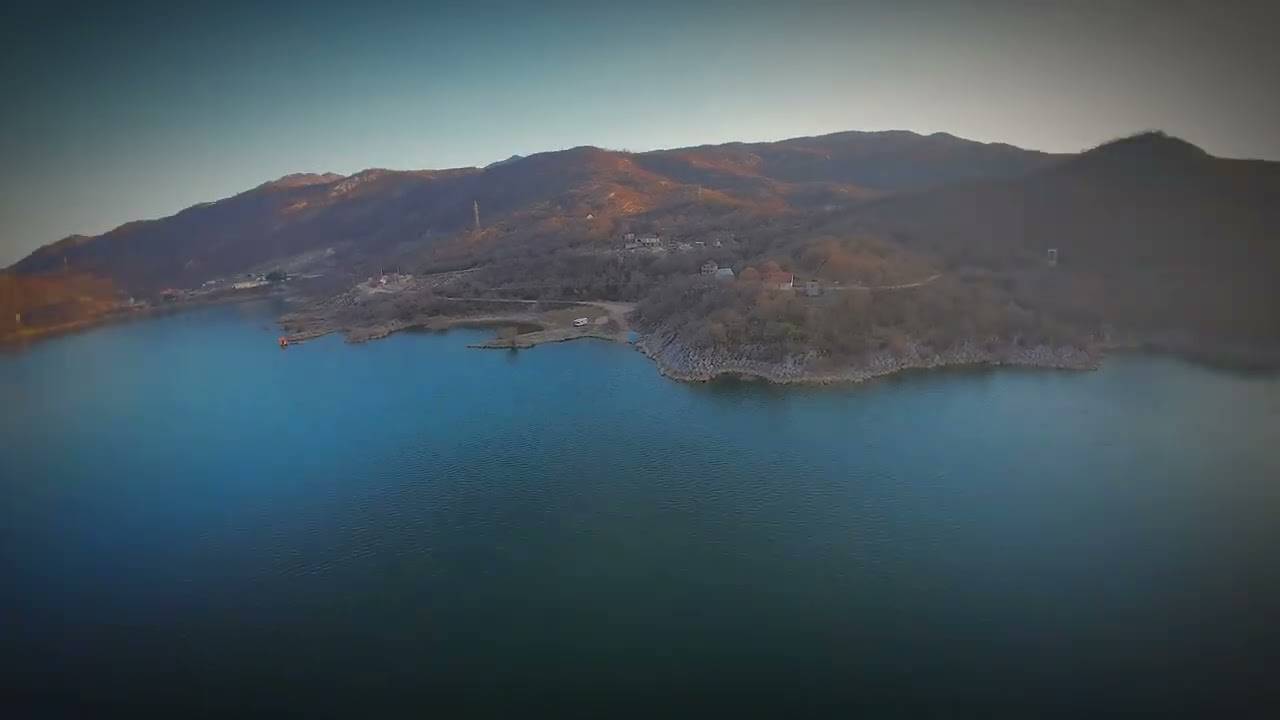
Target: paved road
{"type": "Point", "coordinates": [617, 310]}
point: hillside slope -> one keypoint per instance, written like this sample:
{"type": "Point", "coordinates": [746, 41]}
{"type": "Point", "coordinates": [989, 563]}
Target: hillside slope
{"type": "Point", "coordinates": [1166, 236]}
{"type": "Point", "coordinates": [376, 212]}
{"type": "Point", "coordinates": [1157, 244]}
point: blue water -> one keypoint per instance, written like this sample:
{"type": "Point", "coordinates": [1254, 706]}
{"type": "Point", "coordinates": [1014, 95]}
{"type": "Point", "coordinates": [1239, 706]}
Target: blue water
{"type": "Point", "coordinates": [193, 518]}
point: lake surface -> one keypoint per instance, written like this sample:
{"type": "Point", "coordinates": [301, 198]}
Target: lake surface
{"type": "Point", "coordinates": [192, 516]}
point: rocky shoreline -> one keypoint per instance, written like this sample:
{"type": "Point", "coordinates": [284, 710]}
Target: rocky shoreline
{"type": "Point", "coordinates": [680, 362]}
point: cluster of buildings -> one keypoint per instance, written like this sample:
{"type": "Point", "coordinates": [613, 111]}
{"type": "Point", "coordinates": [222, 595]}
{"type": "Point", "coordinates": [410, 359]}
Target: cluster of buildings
{"type": "Point", "coordinates": [389, 282]}
{"type": "Point", "coordinates": [631, 241]}
{"type": "Point", "coordinates": [654, 241]}
{"type": "Point", "coordinates": [776, 279]}
{"type": "Point", "coordinates": [250, 281]}
{"type": "Point", "coordinates": [711, 267]}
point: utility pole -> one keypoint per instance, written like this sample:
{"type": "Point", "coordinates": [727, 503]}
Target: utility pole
{"type": "Point", "coordinates": [475, 207]}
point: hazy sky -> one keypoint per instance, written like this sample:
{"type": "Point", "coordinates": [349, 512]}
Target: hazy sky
{"type": "Point", "coordinates": [114, 113]}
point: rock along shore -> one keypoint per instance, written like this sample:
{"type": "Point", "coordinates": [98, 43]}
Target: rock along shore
{"type": "Point", "coordinates": [679, 362]}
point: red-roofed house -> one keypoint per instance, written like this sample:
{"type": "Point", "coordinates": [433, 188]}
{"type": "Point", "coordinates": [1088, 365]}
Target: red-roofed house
{"type": "Point", "coordinates": [779, 280]}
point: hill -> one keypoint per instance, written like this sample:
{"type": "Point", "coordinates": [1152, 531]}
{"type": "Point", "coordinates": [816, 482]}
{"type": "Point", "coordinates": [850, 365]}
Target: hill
{"type": "Point", "coordinates": [376, 213]}
{"type": "Point", "coordinates": [1166, 237]}
{"type": "Point", "coordinates": [33, 305]}
{"type": "Point", "coordinates": [1154, 241]}
{"type": "Point", "coordinates": [910, 249]}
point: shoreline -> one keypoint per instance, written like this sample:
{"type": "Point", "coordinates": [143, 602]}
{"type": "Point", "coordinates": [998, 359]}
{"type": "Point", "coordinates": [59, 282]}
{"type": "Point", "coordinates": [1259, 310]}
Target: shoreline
{"type": "Point", "coordinates": [786, 372]}
{"type": "Point", "coordinates": [369, 333]}
{"type": "Point", "coordinates": [534, 325]}
{"type": "Point", "coordinates": [116, 317]}
{"type": "Point", "coordinates": [546, 337]}
{"type": "Point", "coordinates": [677, 362]}
{"type": "Point", "coordinates": [680, 363]}
{"type": "Point", "coordinates": [683, 364]}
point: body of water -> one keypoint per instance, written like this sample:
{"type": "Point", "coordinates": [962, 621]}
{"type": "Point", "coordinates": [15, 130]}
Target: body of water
{"type": "Point", "coordinates": [193, 517]}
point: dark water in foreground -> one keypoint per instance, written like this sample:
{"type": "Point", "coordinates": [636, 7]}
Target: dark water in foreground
{"type": "Point", "coordinates": [191, 515]}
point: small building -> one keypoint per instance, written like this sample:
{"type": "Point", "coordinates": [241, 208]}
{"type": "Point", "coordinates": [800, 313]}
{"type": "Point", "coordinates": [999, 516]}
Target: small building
{"type": "Point", "coordinates": [580, 322]}
{"type": "Point", "coordinates": [779, 280]}
{"type": "Point", "coordinates": [812, 289]}
{"type": "Point", "coordinates": [651, 241]}
{"type": "Point", "coordinates": [1053, 257]}
{"type": "Point", "coordinates": [724, 274]}
{"type": "Point", "coordinates": [710, 267]}
{"type": "Point", "coordinates": [629, 237]}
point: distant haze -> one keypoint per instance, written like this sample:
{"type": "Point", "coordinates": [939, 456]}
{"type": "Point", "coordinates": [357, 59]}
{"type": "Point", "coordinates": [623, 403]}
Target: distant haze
{"type": "Point", "coordinates": [120, 113]}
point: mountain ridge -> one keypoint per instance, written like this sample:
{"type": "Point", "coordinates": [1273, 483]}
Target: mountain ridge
{"type": "Point", "coordinates": [302, 181]}
{"type": "Point", "coordinates": [1151, 236]}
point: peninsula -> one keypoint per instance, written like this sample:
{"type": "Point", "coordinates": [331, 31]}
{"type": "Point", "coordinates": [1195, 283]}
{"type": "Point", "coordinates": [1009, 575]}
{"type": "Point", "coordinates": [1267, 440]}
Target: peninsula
{"type": "Point", "coordinates": [824, 259]}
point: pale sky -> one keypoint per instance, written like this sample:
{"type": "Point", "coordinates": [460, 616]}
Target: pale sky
{"type": "Point", "coordinates": [115, 114]}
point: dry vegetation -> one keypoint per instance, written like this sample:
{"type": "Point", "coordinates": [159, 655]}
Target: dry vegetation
{"type": "Point", "coordinates": [32, 305]}
{"type": "Point", "coordinates": [841, 326]}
